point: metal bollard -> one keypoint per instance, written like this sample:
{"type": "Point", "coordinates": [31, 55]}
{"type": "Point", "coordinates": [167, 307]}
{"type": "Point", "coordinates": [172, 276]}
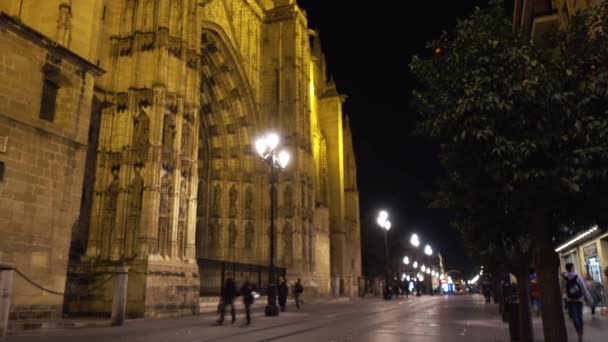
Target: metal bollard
{"type": "Point", "coordinates": [119, 302]}
{"type": "Point", "coordinates": [6, 293]}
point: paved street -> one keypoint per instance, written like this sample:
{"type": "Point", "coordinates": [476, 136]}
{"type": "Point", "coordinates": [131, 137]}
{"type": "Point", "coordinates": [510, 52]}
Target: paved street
{"type": "Point", "coordinates": [426, 319]}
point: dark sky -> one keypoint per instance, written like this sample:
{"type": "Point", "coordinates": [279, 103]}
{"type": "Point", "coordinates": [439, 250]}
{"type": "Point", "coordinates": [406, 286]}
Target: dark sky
{"type": "Point", "coordinates": [368, 46]}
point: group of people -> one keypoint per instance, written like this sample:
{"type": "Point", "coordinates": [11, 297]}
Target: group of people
{"type": "Point", "coordinates": [247, 291]}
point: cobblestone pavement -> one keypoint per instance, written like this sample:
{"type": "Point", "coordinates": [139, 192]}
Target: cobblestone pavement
{"type": "Point", "coordinates": [425, 319]}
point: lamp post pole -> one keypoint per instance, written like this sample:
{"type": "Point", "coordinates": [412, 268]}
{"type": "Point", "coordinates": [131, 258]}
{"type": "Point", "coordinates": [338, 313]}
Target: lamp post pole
{"type": "Point", "coordinates": [388, 268]}
{"type": "Point", "coordinates": [271, 308]}
{"type": "Point", "coordinates": [385, 224]}
{"type": "Point", "coordinates": [266, 148]}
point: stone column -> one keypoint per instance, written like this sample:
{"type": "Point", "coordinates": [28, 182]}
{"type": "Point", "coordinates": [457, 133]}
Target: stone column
{"type": "Point", "coordinates": [119, 302]}
{"type": "Point", "coordinates": [6, 292]}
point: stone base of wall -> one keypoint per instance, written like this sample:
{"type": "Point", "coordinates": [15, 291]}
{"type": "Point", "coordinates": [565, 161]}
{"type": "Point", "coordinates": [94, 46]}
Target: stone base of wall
{"type": "Point", "coordinates": [156, 288]}
{"type": "Point", "coordinates": [42, 311]}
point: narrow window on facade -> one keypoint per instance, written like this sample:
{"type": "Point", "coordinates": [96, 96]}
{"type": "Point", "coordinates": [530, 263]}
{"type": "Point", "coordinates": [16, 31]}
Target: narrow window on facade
{"type": "Point", "coordinates": [49, 98]}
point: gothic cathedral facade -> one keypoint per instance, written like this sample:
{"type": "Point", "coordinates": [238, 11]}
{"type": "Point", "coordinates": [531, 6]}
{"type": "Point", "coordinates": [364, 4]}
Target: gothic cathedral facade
{"type": "Point", "coordinates": [136, 119]}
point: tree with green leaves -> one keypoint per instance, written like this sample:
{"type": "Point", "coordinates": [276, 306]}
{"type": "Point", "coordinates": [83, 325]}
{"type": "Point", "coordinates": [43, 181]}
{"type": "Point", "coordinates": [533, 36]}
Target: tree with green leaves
{"type": "Point", "coordinates": [531, 120]}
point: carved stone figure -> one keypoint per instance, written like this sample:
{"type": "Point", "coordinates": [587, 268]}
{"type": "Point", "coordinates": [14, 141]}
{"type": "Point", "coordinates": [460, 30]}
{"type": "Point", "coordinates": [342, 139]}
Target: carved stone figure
{"type": "Point", "coordinates": [181, 240]}
{"type": "Point", "coordinates": [164, 233]}
{"type": "Point", "coordinates": [109, 217]}
{"type": "Point", "coordinates": [141, 135]}
{"type": "Point", "coordinates": [176, 18]}
{"type": "Point", "coordinates": [217, 201]}
{"type": "Point", "coordinates": [183, 199]}
{"type": "Point", "coordinates": [112, 192]}
{"type": "Point", "coordinates": [186, 138]}
{"type": "Point", "coordinates": [249, 236]}
{"type": "Point", "coordinates": [134, 205]}
{"type": "Point", "coordinates": [234, 194]}
{"type": "Point", "coordinates": [127, 19]}
{"type": "Point", "coordinates": [214, 234]}
{"type": "Point", "coordinates": [248, 203]}
{"type": "Point", "coordinates": [136, 192]}
{"type": "Point", "coordinates": [165, 192]}
{"type": "Point", "coordinates": [288, 244]}
{"type": "Point", "coordinates": [288, 201]}
{"type": "Point", "coordinates": [232, 235]}
{"type": "Point", "coordinates": [168, 133]}
{"type": "Point", "coordinates": [64, 25]}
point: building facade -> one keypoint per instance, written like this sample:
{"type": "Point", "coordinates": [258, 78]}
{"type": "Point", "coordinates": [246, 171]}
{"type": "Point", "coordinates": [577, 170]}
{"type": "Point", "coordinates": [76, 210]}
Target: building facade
{"type": "Point", "coordinates": [538, 17]}
{"type": "Point", "coordinates": [158, 119]}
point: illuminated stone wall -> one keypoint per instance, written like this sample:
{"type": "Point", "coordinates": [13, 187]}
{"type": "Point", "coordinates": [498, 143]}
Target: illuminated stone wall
{"type": "Point", "coordinates": [170, 173]}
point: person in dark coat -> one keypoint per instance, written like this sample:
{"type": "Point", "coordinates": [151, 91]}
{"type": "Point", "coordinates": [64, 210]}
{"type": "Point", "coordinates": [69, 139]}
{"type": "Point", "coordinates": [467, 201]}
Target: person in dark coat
{"type": "Point", "coordinates": [247, 293]}
{"type": "Point", "coordinates": [228, 295]}
{"type": "Point", "coordinates": [298, 289]}
{"type": "Point", "coordinates": [283, 293]}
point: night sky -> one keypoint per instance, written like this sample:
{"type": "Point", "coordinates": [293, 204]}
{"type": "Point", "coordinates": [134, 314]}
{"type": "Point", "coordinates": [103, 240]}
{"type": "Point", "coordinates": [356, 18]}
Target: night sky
{"type": "Point", "coordinates": [368, 46]}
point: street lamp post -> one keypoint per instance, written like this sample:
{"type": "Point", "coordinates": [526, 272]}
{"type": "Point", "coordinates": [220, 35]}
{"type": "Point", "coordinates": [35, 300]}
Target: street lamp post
{"type": "Point", "coordinates": [266, 148]}
{"type": "Point", "coordinates": [385, 224]}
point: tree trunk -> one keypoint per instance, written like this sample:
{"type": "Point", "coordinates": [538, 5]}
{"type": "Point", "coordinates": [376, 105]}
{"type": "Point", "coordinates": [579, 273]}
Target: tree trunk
{"type": "Point", "coordinates": [526, 332]}
{"type": "Point", "coordinates": [547, 272]}
{"type": "Point", "coordinates": [499, 294]}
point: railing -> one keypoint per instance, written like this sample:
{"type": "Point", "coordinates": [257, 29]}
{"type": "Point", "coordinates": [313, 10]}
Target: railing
{"type": "Point", "coordinates": [6, 290]}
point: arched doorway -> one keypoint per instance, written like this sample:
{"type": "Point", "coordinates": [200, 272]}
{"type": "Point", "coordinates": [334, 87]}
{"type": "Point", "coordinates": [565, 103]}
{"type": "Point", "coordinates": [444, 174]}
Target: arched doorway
{"type": "Point", "coordinates": [231, 233]}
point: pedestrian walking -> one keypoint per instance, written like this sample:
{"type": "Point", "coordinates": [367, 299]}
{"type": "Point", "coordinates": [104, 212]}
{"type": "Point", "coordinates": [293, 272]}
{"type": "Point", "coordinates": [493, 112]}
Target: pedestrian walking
{"type": "Point", "coordinates": [406, 289]}
{"type": "Point", "coordinates": [595, 290]}
{"type": "Point", "coordinates": [487, 291]}
{"type": "Point", "coordinates": [248, 298]}
{"type": "Point", "coordinates": [228, 295]}
{"type": "Point", "coordinates": [298, 289]}
{"type": "Point", "coordinates": [535, 295]}
{"type": "Point", "coordinates": [283, 293]}
{"type": "Point", "coordinates": [575, 289]}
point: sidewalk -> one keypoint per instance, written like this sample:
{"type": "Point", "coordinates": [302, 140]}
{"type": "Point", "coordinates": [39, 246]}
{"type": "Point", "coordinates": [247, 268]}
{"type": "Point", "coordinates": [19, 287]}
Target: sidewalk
{"type": "Point", "coordinates": [595, 328]}
{"type": "Point", "coordinates": [207, 307]}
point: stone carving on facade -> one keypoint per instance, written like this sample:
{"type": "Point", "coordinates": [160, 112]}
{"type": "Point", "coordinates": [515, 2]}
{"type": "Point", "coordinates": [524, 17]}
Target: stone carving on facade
{"type": "Point", "coordinates": [145, 41]}
{"type": "Point", "coordinates": [134, 206]}
{"type": "Point", "coordinates": [280, 13]}
{"type": "Point", "coordinates": [141, 135]}
{"type": "Point", "coordinates": [215, 230]}
{"type": "Point", "coordinates": [168, 139]}
{"type": "Point", "coordinates": [64, 25]}
{"type": "Point", "coordinates": [164, 224]}
{"type": "Point", "coordinates": [182, 216]}
{"type": "Point", "coordinates": [109, 217]}
{"type": "Point", "coordinates": [148, 15]}
{"type": "Point", "coordinates": [175, 18]}
{"type": "Point", "coordinates": [128, 18]}
{"type": "Point", "coordinates": [187, 136]}
{"type": "Point", "coordinates": [232, 235]}
{"type": "Point", "coordinates": [234, 194]}
{"type": "Point", "coordinates": [288, 201]}
{"type": "Point", "coordinates": [217, 201]}
{"type": "Point", "coordinates": [248, 203]}
{"type": "Point", "coordinates": [249, 236]}
{"type": "Point", "coordinates": [287, 244]}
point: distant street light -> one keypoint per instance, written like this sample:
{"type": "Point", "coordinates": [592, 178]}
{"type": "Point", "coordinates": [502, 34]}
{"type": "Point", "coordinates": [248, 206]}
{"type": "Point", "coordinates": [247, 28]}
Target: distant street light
{"type": "Point", "coordinates": [428, 250]}
{"type": "Point", "coordinates": [385, 224]}
{"type": "Point", "coordinates": [415, 264]}
{"type": "Point", "coordinates": [414, 240]}
{"type": "Point", "coordinates": [406, 260]}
